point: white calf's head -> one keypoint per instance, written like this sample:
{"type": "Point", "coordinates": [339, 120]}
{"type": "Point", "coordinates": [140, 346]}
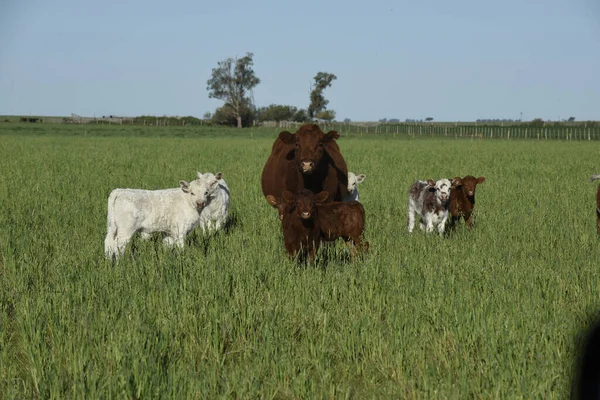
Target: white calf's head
{"type": "Point", "coordinates": [354, 180]}
{"type": "Point", "coordinates": [443, 189]}
{"type": "Point", "coordinates": [202, 189]}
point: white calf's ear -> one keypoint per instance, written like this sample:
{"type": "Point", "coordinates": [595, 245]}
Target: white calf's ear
{"type": "Point", "coordinates": [198, 175]}
{"type": "Point", "coordinates": [185, 186]}
{"type": "Point", "coordinates": [360, 178]}
{"type": "Point", "coordinates": [431, 182]}
{"type": "Point", "coordinates": [219, 176]}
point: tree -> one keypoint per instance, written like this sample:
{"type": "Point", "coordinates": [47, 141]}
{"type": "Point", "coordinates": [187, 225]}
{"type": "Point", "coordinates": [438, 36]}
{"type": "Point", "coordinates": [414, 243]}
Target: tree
{"type": "Point", "coordinates": [276, 112]}
{"type": "Point", "coordinates": [225, 116]}
{"type": "Point", "coordinates": [326, 115]}
{"type": "Point", "coordinates": [231, 81]}
{"type": "Point", "coordinates": [207, 115]}
{"type": "Point", "coordinates": [429, 119]}
{"type": "Point", "coordinates": [571, 119]}
{"type": "Point", "coordinates": [301, 116]}
{"type": "Point", "coordinates": [347, 120]}
{"type": "Point", "coordinates": [318, 103]}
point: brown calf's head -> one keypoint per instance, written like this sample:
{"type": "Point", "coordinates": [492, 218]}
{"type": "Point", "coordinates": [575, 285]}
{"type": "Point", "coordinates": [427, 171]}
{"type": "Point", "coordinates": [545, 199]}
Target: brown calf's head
{"type": "Point", "coordinates": [304, 203]}
{"type": "Point", "coordinates": [467, 184]}
{"type": "Point", "coordinates": [311, 144]}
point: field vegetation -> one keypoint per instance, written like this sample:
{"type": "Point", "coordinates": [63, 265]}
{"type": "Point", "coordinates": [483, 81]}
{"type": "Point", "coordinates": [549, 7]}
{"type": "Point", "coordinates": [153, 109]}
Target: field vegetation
{"type": "Point", "coordinates": [495, 312]}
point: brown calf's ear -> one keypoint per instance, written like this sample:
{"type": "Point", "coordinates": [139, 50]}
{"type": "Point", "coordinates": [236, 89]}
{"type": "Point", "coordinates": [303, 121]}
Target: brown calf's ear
{"type": "Point", "coordinates": [457, 181]}
{"type": "Point", "coordinates": [480, 179]}
{"type": "Point", "coordinates": [288, 196]}
{"type": "Point", "coordinates": [272, 200]}
{"type": "Point", "coordinates": [185, 186]}
{"type": "Point", "coordinates": [321, 197]}
{"type": "Point", "coordinates": [431, 182]}
{"type": "Point", "coordinates": [287, 137]}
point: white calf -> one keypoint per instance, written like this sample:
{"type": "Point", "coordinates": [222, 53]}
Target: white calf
{"type": "Point", "coordinates": [215, 195]}
{"type": "Point", "coordinates": [353, 181]}
{"type": "Point", "coordinates": [430, 200]}
{"type": "Point", "coordinates": [175, 212]}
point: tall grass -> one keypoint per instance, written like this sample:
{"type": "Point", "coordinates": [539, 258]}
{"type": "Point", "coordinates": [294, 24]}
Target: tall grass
{"type": "Point", "coordinates": [490, 313]}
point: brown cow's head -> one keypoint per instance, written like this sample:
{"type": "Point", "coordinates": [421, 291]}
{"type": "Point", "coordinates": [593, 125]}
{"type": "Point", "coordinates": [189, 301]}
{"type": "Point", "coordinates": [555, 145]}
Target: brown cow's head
{"type": "Point", "coordinates": [467, 184]}
{"type": "Point", "coordinates": [311, 143]}
{"type": "Point", "coordinates": [303, 204]}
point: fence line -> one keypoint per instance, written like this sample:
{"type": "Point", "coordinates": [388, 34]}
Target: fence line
{"type": "Point", "coordinates": [471, 131]}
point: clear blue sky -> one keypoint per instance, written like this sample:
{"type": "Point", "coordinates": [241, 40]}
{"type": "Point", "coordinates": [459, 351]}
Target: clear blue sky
{"type": "Point", "coordinates": [451, 60]}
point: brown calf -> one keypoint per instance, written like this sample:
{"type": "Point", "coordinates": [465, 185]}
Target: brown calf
{"type": "Point", "coordinates": [336, 220]}
{"type": "Point", "coordinates": [462, 199]}
{"type": "Point", "coordinates": [592, 179]}
{"type": "Point", "coordinates": [301, 231]}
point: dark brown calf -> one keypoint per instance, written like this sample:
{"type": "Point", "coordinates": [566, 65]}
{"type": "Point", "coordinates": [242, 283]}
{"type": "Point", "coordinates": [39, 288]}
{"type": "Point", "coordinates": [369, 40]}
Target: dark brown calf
{"type": "Point", "coordinates": [343, 220]}
{"type": "Point", "coordinates": [336, 220]}
{"type": "Point", "coordinates": [462, 199]}
{"type": "Point", "coordinates": [592, 179]}
{"type": "Point", "coordinates": [301, 231]}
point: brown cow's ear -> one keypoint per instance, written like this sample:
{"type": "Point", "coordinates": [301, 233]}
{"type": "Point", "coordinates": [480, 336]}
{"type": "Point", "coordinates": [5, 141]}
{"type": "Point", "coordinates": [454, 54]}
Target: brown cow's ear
{"type": "Point", "coordinates": [480, 179]}
{"type": "Point", "coordinates": [330, 136]}
{"type": "Point", "coordinates": [287, 137]}
{"type": "Point", "coordinates": [288, 196]}
{"type": "Point", "coordinates": [332, 148]}
{"type": "Point", "coordinates": [272, 200]}
{"type": "Point", "coordinates": [321, 197]}
{"type": "Point", "coordinates": [457, 181]}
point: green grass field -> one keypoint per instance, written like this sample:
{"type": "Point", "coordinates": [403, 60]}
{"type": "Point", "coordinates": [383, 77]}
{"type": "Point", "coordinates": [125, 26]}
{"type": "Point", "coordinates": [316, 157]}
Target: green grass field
{"type": "Point", "coordinates": [491, 313]}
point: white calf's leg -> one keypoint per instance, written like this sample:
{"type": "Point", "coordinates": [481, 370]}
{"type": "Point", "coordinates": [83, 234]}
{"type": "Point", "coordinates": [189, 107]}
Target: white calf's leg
{"type": "Point", "coordinates": [169, 241]}
{"type": "Point", "coordinates": [145, 235]}
{"type": "Point", "coordinates": [411, 215]}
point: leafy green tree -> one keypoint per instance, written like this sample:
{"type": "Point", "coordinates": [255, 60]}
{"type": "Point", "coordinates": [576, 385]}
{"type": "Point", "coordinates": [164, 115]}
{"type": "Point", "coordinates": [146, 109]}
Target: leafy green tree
{"type": "Point", "coordinates": [207, 115]}
{"type": "Point", "coordinates": [231, 82]}
{"type": "Point", "coordinates": [318, 102]}
{"type": "Point", "coordinates": [276, 112]}
{"type": "Point", "coordinates": [225, 116]}
{"type": "Point", "coordinates": [326, 115]}
{"type": "Point", "coordinates": [347, 120]}
{"type": "Point", "coordinates": [571, 119]}
{"type": "Point", "coordinates": [429, 119]}
{"type": "Point", "coordinates": [301, 116]}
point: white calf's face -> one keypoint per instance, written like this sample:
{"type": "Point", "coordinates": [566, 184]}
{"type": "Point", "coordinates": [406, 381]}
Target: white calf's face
{"type": "Point", "coordinates": [443, 189]}
{"type": "Point", "coordinates": [202, 189]}
{"type": "Point", "coordinates": [354, 180]}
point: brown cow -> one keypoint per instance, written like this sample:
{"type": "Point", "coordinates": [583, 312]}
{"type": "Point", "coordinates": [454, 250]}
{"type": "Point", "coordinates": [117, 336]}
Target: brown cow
{"type": "Point", "coordinates": [462, 199]}
{"type": "Point", "coordinates": [336, 220]}
{"type": "Point", "coordinates": [301, 231]}
{"type": "Point", "coordinates": [592, 179]}
{"type": "Point", "coordinates": [308, 159]}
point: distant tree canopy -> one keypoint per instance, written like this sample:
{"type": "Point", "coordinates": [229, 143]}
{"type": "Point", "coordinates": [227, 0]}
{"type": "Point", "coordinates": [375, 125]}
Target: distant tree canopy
{"type": "Point", "coordinates": [326, 115]}
{"type": "Point", "coordinates": [537, 122]}
{"type": "Point", "coordinates": [347, 120]}
{"type": "Point", "coordinates": [275, 112]}
{"type": "Point", "coordinates": [571, 119]}
{"type": "Point", "coordinates": [318, 102]}
{"type": "Point", "coordinates": [231, 82]}
{"type": "Point", "coordinates": [429, 119]}
{"type": "Point", "coordinates": [226, 116]}
{"type": "Point", "coordinates": [301, 116]}
{"type": "Point", "coordinates": [207, 115]}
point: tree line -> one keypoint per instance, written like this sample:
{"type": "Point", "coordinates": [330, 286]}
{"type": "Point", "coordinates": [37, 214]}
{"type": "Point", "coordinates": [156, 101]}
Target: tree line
{"type": "Point", "coordinates": [233, 81]}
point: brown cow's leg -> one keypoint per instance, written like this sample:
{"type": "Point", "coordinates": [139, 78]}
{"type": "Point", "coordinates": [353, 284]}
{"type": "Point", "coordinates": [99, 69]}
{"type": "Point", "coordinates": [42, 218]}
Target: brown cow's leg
{"type": "Point", "coordinates": [469, 221]}
{"type": "Point", "coordinates": [598, 211]}
{"type": "Point", "coordinates": [352, 247]}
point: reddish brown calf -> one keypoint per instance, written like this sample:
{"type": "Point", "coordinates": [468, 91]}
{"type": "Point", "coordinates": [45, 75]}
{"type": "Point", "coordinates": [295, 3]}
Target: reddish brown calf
{"type": "Point", "coordinates": [343, 220]}
{"type": "Point", "coordinates": [301, 231]}
{"type": "Point", "coordinates": [462, 199]}
{"type": "Point", "coordinates": [336, 220]}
